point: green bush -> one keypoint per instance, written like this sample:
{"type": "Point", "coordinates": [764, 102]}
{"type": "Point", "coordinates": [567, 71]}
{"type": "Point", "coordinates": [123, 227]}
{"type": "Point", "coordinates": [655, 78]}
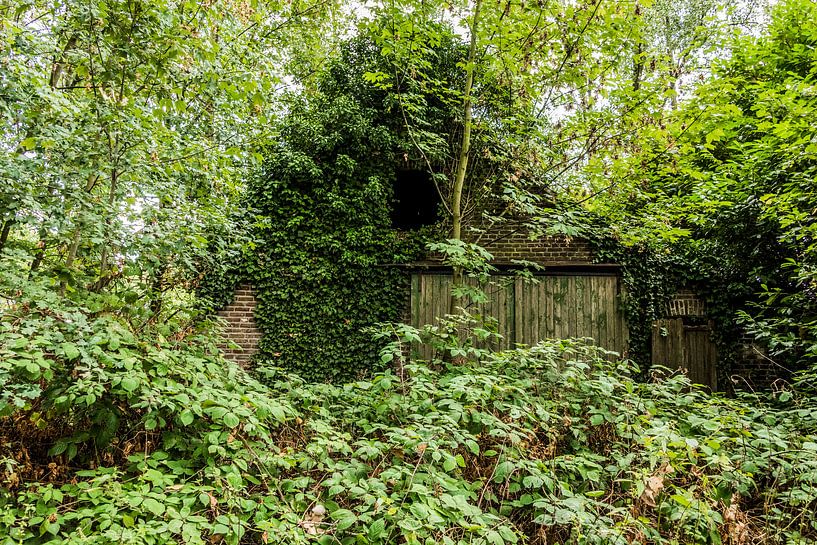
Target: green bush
{"type": "Point", "coordinates": [550, 444]}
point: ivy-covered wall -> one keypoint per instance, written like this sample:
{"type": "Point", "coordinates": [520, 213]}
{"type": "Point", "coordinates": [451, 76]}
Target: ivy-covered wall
{"type": "Point", "coordinates": [379, 292]}
{"type": "Point", "coordinates": [320, 242]}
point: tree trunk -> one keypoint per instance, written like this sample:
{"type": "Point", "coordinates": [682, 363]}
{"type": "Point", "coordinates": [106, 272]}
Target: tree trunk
{"type": "Point", "coordinates": [465, 146]}
{"type": "Point", "coordinates": [73, 249]}
{"type": "Point", "coordinates": [4, 235]}
{"type": "Point", "coordinates": [638, 65]}
{"type": "Point", "coordinates": [638, 57]}
{"type": "Point", "coordinates": [156, 291]}
{"type": "Point", "coordinates": [103, 262]}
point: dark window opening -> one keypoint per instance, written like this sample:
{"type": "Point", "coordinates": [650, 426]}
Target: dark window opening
{"type": "Point", "coordinates": [416, 200]}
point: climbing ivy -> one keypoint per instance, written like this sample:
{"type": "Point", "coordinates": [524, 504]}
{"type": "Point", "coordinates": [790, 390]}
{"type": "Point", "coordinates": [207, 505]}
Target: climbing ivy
{"type": "Point", "coordinates": [317, 240]}
{"type": "Point", "coordinates": [715, 265]}
{"type": "Point", "coordinates": [321, 241]}
{"type": "Point", "coordinates": [650, 280]}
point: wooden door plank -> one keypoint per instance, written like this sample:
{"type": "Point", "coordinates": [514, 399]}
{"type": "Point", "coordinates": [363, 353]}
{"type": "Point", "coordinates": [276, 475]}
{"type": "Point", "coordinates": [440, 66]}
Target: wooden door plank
{"type": "Point", "coordinates": [549, 324]}
{"type": "Point", "coordinates": [602, 309]}
{"type": "Point", "coordinates": [588, 311]}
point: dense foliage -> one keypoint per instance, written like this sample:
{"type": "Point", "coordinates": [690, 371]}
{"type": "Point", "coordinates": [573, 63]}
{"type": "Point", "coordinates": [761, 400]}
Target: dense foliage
{"type": "Point", "coordinates": [726, 201]}
{"type": "Point", "coordinates": [323, 241]}
{"type": "Point", "coordinates": [126, 130]}
{"type": "Point", "coordinates": [154, 154]}
{"type": "Point", "coordinates": [552, 444]}
{"type": "Point", "coordinates": [316, 237]}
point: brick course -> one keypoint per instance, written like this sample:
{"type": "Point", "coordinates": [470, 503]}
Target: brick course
{"type": "Point", "coordinates": [686, 303]}
{"type": "Point", "coordinates": [507, 243]}
{"type": "Point", "coordinates": [240, 327]}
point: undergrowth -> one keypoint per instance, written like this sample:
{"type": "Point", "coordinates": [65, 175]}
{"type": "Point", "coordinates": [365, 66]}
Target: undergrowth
{"type": "Point", "coordinates": [113, 432]}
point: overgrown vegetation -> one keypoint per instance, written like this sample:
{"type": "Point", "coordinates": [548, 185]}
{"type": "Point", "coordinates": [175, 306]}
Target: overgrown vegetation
{"type": "Point", "coordinates": [156, 153]}
{"type": "Point", "coordinates": [556, 443]}
{"type": "Point", "coordinates": [721, 196]}
{"type": "Point", "coordinates": [320, 238]}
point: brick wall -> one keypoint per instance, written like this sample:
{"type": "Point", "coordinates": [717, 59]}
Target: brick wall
{"type": "Point", "coordinates": [240, 326]}
{"type": "Point", "coordinates": [753, 369]}
{"type": "Point", "coordinates": [507, 243]}
{"type": "Point", "coordinates": [512, 241]}
{"type": "Point", "coordinates": [686, 303]}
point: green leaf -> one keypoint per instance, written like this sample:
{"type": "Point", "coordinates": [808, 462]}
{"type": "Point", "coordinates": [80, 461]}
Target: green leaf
{"type": "Point", "coordinates": [344, 518]}
{"type": "Point", "coordinates": [153, 506]}
{"type": "Point", "coordinates": [130, 383]}
{"type": "Point", "coordinates": [507, 534]}
{"type": "Point", "coordinates": [70, 350]}
{"type": "Point", "coordinates": [503, 469]}
{"type": "Point", "coordinates": [221, 529]}
{"type": "Point", "coordinates": [597, 419]}
{"type": "Point", "coordinates": [494, 537]}
{"type": "Point", "coordinates": [186, 417]}
{"type": "Point", "coordinates": [376, 529]}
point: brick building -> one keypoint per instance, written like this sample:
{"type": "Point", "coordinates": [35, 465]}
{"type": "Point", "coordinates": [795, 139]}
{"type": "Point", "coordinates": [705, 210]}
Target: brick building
{"type": "Point", "coordinates": [575, 298]}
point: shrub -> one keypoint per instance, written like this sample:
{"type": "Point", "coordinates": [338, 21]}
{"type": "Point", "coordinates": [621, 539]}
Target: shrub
{"type": "Point", "coordinates": [555, 443]}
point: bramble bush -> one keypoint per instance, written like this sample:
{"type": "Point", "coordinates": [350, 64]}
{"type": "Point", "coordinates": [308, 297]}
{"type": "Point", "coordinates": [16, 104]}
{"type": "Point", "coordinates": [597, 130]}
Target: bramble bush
{"type": "Point", "coordinates": [117, 433]}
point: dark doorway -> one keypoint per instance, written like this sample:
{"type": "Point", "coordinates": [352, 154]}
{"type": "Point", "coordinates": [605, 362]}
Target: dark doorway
{"type": "Point", "coordinates": [416, 200]}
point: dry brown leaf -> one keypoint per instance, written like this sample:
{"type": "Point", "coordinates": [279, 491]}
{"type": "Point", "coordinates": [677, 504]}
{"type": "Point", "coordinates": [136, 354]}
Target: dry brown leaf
{"type": "Point", "coordinates": [652, 488]}
{"type": "Point", "coordinates": [737, 527]}
{"type": "Point", "coordinates": [654, 485]}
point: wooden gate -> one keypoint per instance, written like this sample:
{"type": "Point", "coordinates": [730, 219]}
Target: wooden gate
{"type": "Point", "coordinates": [686, 347]}
{"type": "Point", "coordinates": [551, 307]}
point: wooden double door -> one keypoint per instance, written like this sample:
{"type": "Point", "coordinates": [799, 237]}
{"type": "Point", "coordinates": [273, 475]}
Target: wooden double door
{"type": "Point", "coordinates": [688, 347]}
{"type": "Point", "coordinates": [551, 307]}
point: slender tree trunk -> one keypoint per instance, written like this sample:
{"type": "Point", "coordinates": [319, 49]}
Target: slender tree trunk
{"type": "Point", "coordinates": [638, 65]}
{"type": "Point", "coordinates": [4, 235]}
{"type": "Point", "coordinates": [103, 262]}
{"type": "Point", "coordinates": [638, 56]}
{"type": "Point", "coordinates": [156, 291]}
{"type": "Point", "coordinates": [39, 254]}
{"type": "Point", "coordinates": [675, 76]}
{"type": "Point", "coordinates": [73, 249]}
{"type": "Point", "coordinates": [58, 68]}
{"type": "Point", "coordinates": [71, 257]}
{"type": "Point", "coordinates": [465, 146]}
